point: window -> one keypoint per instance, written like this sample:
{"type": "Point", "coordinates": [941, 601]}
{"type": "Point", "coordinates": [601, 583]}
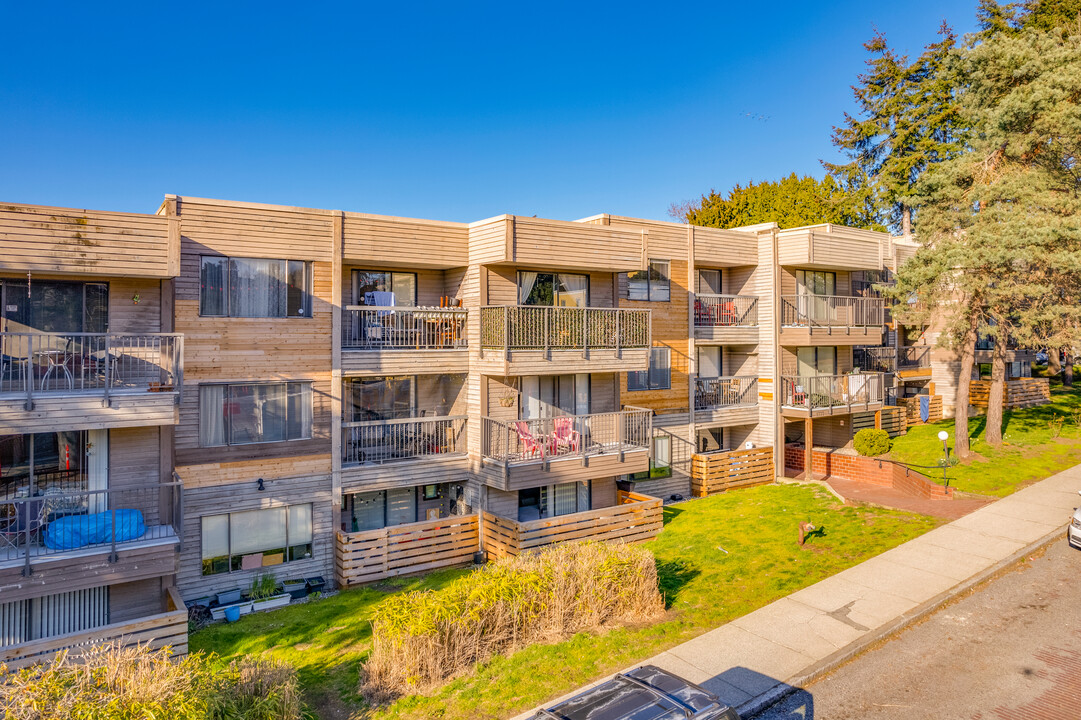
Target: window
{"type": "Point", "coordinates": [254, 287]}
{"type": "Point", "coordinates": [659, 375]}
{"type": "Point", "coordinates": [240, 414]}
{"type": "Point", "coordinates": [558, 289]}
{"type": "Point", "coordinates": [379, 509]}
{"type": "Point", "coordinates": [709, 282]}
{"type": "Point", "coordinates": [651, 284]}
{"type": "Point", "coordinates": [660, 465]}
{"type": "Point", "coordinates": [816, 282]}
{"type": "Point", "coordinates": [554, 395]}
{"type": "Point", "coordinates": [554, 500]}
{"type": "Point", "coordinates": [54, 306]}
{"type": "Point", "coordinates": [403, 285]}
{"type": "Point", "coordinates": [813, 361]}
{"type": "Point", "coordinates": [43, 462]}
{"type": "Point", "coordinates": [251, 539]}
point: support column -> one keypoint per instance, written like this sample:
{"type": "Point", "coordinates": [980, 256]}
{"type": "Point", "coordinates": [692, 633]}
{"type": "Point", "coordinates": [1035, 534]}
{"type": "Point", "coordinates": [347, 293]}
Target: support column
{"type": "Point", "coordinates": [878, 419]}
{"type": "Point", "coordinates": [808, 448]}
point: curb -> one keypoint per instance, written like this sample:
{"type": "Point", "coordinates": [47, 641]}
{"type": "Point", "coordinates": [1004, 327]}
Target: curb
{"type": "Point", "coordinates": [782, 690]}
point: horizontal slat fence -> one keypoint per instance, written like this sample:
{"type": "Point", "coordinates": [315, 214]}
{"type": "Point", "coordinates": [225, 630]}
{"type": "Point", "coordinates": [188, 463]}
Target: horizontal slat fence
{"type": "Point", "coordinates": [1023, 392]}
{"type": "Point", "coordinates": [895, 419]}
{"type": "Point", "coordinates": [408, 549]}
{"type": "Point", "coordinates": [912, 409]}
{"type": "Point", "coordinates": [716, 472]}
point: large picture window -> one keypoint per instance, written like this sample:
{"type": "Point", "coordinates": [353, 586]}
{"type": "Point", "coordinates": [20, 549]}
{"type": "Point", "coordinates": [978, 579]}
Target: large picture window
{"type": "Point", "coordinates": [252, 539]}
{"type": "Point", "coordinates": [659, 375]}
{"type": "Point", "coordinates": [554, 289]}
{"type": "Point", "coordinates": [54, 306]}
{"type": "Point", "coordinates": [254, 287]}
{"type": "Point", "coordinates": [240, 414]}
{"type": "Point", "coordinates": [651, 284]}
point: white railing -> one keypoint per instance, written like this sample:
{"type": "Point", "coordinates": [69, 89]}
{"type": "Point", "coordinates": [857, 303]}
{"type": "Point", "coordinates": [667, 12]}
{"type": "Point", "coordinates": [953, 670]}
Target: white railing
{"type": "Point", "coordinates": [34, 364]}
{"type": "Point", "coordinates": [536, 327]}
{"type": "Point", "coordinates": [831, 311]}
{"type": "Point", "coordinates": [812, 392]}
{"type": "Point", "coordinates": [725, 391]}
{"type": "Point", "coordinates": [374, 442]}
{"type": "Point", "coordinates": [725, 310]}
{"type": "Point", "coordinates": [566, 436]}
{"type": "Point", "coordinates": [418, 328]}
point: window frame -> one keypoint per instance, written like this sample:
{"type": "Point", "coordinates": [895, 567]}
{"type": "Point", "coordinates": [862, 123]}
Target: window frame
{"type": "Point", "coordinates": [306, 311]}
{"type": "Point", "coordinates": [635, 376]}
{"type": "Point", "coordinates": [653, 295]}
{"type": "Point", "coordinates": [656, 471]}
{"type": "Point", "coordinates": [226, 427]}
{"type": "Point", "coordinates": [287, 556]}
{"type": "Point", "coordinates": [358, 297]}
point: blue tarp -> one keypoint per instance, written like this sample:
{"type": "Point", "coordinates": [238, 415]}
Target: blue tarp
{"type": "Point", "coordinates": [925, 407]}
{"type": "Point", "coordinates": [76, 531]}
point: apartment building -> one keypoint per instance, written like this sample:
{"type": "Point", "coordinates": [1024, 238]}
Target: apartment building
{"type": "Point", "coordinates": [308, 392]}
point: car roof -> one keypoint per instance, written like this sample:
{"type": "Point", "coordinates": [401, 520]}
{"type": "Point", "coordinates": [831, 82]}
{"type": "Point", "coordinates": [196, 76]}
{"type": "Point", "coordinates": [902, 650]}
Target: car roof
{"type": "Point", "coordinates": [645, 693]}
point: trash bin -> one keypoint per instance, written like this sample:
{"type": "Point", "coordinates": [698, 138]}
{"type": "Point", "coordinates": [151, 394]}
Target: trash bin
{"type": "Point", "coordinates": [232, 613]}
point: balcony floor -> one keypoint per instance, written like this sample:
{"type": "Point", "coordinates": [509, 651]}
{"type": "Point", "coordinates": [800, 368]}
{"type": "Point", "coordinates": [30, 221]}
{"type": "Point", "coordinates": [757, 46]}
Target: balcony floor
{"type": "Point", "coordinates": [39, 554]}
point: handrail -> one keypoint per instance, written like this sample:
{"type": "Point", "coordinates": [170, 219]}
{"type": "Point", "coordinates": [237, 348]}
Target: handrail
{"type": "Point", "coordinates": [717, 310]}
{"type": "Point", "coordinates": [380, 441]}
{"type": "Point", "coordinates": [376, 327]}
{"type": "Point", "coordinates": [812, 392]}
{"type": "Point", "coordinates": [725, 391]}
{"type": "Point", "coordinates": [543, 327]}
{"type": "Point", "coordinates": [831, 311]}
{"type": "Point", "coordinates": [513, 441]}
{"type": "Point", "coordinates": [914, 356]}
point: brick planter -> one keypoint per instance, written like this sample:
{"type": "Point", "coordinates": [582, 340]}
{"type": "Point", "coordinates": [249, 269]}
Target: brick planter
{"type": "Point", "coordinates": [841, 464]}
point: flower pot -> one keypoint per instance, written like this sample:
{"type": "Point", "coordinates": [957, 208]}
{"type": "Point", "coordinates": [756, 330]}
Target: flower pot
{"type": "Point", "coordinates": [296, 588]}
{"type": "Point", "coordinates": [232, 613]}
{"type": "Point", "coordinates": [270, 603]}
{"type": "Point", "coordinates": [229, 597]}
{"type": "Point", "coordinates": [315, 584]}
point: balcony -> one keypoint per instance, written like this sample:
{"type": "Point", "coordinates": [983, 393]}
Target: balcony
{"type": "Point", "coordinates": [831, 320]}
{"type": "Point", "coordinates": [403, 340]}
{"type": "Point", "coordinates": [60, 539]}
{"type": "Point", "coordinates": [406, 450]}
{"type": "Point", "coordinates": [542, 451]}
{"type": "Point", "coordinates": [538, 340]}
{"type": "Point", "coordinates": [825, 395]}
{"type": "Point", "coordinates": [69, 381]}
{"type": "Point", "coordinates": [914, 361]}
{"type": "Point", "coordinates": [875, 359]}
{"type": "Point", "coordinates": [726, 400]}
{"type": "Point", "coordinates": [728, 319]}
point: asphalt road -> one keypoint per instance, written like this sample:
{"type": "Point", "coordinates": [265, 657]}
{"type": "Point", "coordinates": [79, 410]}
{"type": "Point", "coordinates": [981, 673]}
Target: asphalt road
{"type": "Point", "coordinates": [1011, 650]}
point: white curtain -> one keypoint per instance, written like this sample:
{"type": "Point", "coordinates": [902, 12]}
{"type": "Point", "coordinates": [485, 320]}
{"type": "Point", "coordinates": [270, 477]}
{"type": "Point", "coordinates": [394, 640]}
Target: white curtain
{"type": "Point", "coordinates": [211, 415]}
{"type": "Point", "coordinates": [531, 401]}
{"type": "Point", "coordinates": [709, 361]}
{"type": "Point", "coordinates": [97, 469]}
{"type": "Point", "coordinates": [300, 524]}
{"type": "Point", "coordinates": [215, 536]}
{"type": "Point", "coordinates": [257, 288]}
{"type": "Point", "coordinates": [573, 290]}
{"type": "Point", "coordinates": [566, 498]}
{"type": "Point", "coordinates": [257, 530]}
{"type": "Point", "coordinates": [526, 281]}
{"type": "Point", "coordinates": [583, 496]}
{"type": "Point", "coordinates": [581, 394]}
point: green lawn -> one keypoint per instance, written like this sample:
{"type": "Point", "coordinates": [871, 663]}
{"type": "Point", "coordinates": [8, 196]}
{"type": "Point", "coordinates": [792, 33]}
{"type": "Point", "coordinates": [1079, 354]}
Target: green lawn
{"type": "Point", "coordinates": [718, 558]}
{"type": "Point", "coordinates": [1029, 451]}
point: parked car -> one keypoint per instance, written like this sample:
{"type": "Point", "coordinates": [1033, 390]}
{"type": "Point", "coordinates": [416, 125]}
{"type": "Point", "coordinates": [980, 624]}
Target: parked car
{"type": "Point", "coordinates": [645, 693]}
{"type": "Point", "coordinates": [1073, 533]}
{"type": "Point", "coordinates": [1041, 358]}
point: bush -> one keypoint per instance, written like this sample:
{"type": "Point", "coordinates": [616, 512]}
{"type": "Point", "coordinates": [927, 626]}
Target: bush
{"type": "Point", "coordinates": [872, 443]}
{"type": "Point", "coordinates": [115, 683]}
{"type": "Point", "coordinates": [420, 639]}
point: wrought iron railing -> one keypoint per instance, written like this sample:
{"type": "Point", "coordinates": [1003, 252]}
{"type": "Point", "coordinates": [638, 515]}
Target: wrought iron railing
{"type": "Point", "coordinates": [375, 442]}
{"type": "Point", "coordinates": [53, 523]}
{"type": "Point", "coordinates": [725, 310]}
{"type": "Point", "coordinates": [419, 328]}
{"type": "Point", "coordinates": [567, 435]}
{"type": "Point", "coordinates": [725, 391]}
{"type": "Point", "coordinates": [914, 356]}
{"type": "Point", "coordinates": [875, 359]}
{"type": "Point", "coordinates": [812, 392]}
{"type": "Point", "coordinates": [537, 327]}
{"type": "Point", "coordinates": [831, 311]}
{"type": "Point", "coordinates": [33, 364]}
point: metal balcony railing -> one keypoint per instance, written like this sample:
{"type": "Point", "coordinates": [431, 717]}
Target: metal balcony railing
{"type": "Point", "coordinates": [416, 328]}
{"type": "Point", "coordinates": [831, 311]}
{"type": "Point", "coordinates": [566, 436]}
{"type": "Point", "coordinates": [375, 442]}
{"type": "Point", "coordinates": [725, 391]}
{"type": "Point", "coordinates": [875, 359]}
{"type": "Point", "coordinates": [56, 522]}
{"type": "Point", "coordinates": [725, 310]}
{"type": "Point", "coordinates": [914, 356]}
{"type": "Point", "coordinates": [535, 327]}
{"type": "Point", "coordinates": [813, 392]}
{"type": "Point", "coordinates": [33, 364]}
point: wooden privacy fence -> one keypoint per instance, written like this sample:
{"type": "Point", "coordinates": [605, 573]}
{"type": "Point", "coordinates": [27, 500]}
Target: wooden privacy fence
{"type": "Point", "coordinates": [1023, 392]}
{"type": "Point", "coordinates": [716, 472]}
{"type": "Point", "coordinates": [635, 518]}
{"type": "Point", "coordinates": [167, 629]}
{"type": "Point", "coordinates": [407, 549]}
{"type": "Point", "coordinates": [912, 409]}
{"type": "Point", "coordinates": [894, 420]}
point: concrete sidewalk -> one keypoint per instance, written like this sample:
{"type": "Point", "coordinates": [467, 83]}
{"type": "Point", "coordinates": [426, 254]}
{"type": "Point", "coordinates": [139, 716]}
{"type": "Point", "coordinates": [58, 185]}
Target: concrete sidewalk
{"type": "Point", "coordinates": [755, 659]}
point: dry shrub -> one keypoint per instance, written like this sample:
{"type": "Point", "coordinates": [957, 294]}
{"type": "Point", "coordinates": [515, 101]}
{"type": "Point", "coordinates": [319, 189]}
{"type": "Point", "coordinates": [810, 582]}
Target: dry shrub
{"type": "Point", "coordinates": [117, 683]}
{"type": "Point", "coordinates": [420, 639]}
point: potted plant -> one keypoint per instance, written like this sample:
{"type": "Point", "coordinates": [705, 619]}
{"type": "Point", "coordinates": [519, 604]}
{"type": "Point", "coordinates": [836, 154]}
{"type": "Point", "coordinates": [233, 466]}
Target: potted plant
{"type": "Point", "coordinates": [296, 588]}
{"type": "Point", "coordinates": [315, 584]}
{"type": "Point", "coordinates": [264, 594]}
{"type": "Point", "coordinates": [228, 597]}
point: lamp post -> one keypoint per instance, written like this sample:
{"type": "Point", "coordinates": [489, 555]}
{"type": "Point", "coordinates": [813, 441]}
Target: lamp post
{"type": "Point", "coordinates": [943, 436]}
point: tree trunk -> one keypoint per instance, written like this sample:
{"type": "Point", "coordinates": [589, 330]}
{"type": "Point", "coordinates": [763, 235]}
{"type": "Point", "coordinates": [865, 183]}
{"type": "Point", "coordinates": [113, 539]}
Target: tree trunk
{"type": "Point", "coordinates": [906, 221]}
{"type": "Point", "coordinates": [964, 382]}
{"type": "Point", "coordinates": [1067, 370]}
{"type": "Point", "coordinates": [997, 396]}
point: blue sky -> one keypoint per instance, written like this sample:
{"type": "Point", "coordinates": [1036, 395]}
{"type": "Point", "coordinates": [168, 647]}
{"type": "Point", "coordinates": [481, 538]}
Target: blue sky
{"type": "Point", "coordinates": [455, 111]}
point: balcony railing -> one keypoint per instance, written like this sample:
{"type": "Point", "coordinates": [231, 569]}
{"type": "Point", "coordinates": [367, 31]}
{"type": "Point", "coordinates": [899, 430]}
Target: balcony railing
{"type": "Point", "coordinates": [534, 327]}
{"type": "Point", "coordinates": [33, 364]}
{"type": "Point", "coordinates": [57, 522]}
{"type": "Point", "coordinates": [567, 436]}
{"type": "Point", "coordinates": [725, 392]}
{"type": "Point", "coordinates": [831, 311]}
{"type": "Point", "coordinates": [375, 442]}
{"type": "Point", "coordinates": [813, 392]}
{"type": "Point", "coordinates": [875, 359]}
{"type": "Point", "coordinates": [725, 310]}
{"type": "Point", "coordinates": [914, 356]}
{"type": "Point", "coordinates": [414, 328]}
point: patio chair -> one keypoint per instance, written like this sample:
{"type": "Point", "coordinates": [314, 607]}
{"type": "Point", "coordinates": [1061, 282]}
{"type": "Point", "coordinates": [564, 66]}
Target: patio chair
{"type": "Point", "coordinates": [27, 519]}
{"type": "Point", "coordinates": [529, 444]}
{"type": "Point", "coordinates": [564, 435]}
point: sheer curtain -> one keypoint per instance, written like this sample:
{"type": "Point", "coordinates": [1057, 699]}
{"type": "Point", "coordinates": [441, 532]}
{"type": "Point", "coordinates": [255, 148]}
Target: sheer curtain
{"type": "Point", "coordinates": [526, 281]}
{"type": "Point", "coordinates": [573, 290]}
{"type": "Point", "coordinates": [257, 530]}
{"type": "Point", "coordinates": [566, 498]}
{"type": "Point", "coordinates": [257, 288]}
{"type": "Point", "coordinates": [211, 415]}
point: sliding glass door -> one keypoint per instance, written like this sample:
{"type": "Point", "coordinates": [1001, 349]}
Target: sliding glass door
{"type": "Point", "coordinates": [53, 306]}
{"type": "Point", "coordinates": [558, 289]}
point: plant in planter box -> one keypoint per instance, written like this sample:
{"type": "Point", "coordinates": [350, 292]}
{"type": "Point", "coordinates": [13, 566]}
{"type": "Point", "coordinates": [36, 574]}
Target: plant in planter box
{"type": "Point", "coordinates": [295, 588]}
{"type": "Point", "coordinates": [264, 593]}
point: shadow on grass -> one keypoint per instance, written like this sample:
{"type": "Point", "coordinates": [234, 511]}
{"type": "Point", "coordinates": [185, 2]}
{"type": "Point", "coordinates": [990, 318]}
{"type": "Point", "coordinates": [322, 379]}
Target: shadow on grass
{"type": "Point", "coordinates": [671, 512]}
{"type": "Point", "coordinates": [818, 532]}
{"type": "Point", "coordinates": [673, 576]}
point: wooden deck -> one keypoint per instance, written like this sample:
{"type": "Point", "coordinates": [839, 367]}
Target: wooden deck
{"type": "Point", "coordinates": [371, 555]}
{"type": "Point", "coordinates": [716, 472]}
{"type": "Point", "coordinates": [166, 629]}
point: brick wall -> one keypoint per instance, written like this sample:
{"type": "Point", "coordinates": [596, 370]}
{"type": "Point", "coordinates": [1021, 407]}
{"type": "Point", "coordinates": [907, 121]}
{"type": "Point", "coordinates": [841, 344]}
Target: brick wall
{"type": "Point", "coordinates": [830, 463]}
